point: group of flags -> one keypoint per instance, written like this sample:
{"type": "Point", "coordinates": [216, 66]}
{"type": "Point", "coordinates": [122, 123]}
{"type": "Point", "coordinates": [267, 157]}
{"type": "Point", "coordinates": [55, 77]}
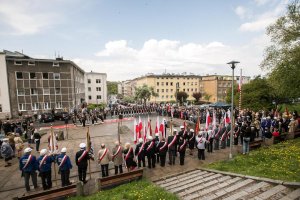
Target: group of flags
{"type": "Point", "coordinates": [142, 129]}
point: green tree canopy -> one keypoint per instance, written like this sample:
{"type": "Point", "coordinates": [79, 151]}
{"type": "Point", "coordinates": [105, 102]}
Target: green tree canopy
{"type": "Point", "coordinates": [181, 96]}
{"type": "Point", "coordinates": [144, 93]}
{"type": "Point", "coordinates": [112, 87]}
{"type": "Point", "coordinates": [282, 58]}
{"type": "Point", "coordinates": [197, 96]}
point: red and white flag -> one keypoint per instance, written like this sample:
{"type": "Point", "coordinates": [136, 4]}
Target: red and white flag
{"type": "Point", "coordinates": [162, 129]}
{"type": "Point", "coordinates": [149, 129]}
{"type": "Point", "coordinates": [214, 122]}
{"type": "Point", "coordinates": [140, 127]}
{"type": "Point", "coordinates": [208, 120]}
{"type": "Point", "coordinates": [145, 132]}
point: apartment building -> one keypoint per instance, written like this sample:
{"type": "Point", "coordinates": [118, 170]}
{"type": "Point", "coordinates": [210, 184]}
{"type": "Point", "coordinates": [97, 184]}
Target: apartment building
{"type": "Point", "coordinates": [95, 88]}
{"type": "Point", "coordinates": [39, 85]}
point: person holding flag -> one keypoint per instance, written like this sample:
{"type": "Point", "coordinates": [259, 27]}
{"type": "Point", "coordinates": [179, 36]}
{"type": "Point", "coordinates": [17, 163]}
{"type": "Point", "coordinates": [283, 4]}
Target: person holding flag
{"type": "Point", "coordinates": [117, 158]}
{"type": "Point", "coordinates": [81, 159]}
{"type": "Point", "coordinates": [103, 160]}
{"type": "Point", "coordinates": [140, 153]}
{"type": "Point", "coordinates": [28, 165]}
{"type": "Point", "coordinates": [129, 157]}
{"type": "Point", "coordinates": [45, 162]}
{"type": "Point", "coordinates": [191, 140]}
{"type": "Point", "coordinates": [172, 147]}
{"type": "Point", "coordinates": [64, 167]}
{"type": "Point", "coordinates": [162, 148]}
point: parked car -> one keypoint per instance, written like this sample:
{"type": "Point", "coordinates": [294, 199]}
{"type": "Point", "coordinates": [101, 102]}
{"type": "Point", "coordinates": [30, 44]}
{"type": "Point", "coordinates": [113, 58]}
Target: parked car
{"type": "Point", "coordinates": [46, 117]}
{"type": "Point", "coordinates": [61, 116]}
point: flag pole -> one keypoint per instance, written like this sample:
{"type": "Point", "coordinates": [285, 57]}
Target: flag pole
{"type": "Point", "coordinates": [88, 139]}
{"type": "Point", "coordinates": [54, 166]}
{"type": "Point", "coordinates": [240, 87]}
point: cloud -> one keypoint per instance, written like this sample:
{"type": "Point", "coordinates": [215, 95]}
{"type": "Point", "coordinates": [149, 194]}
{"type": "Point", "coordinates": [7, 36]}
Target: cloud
{"type": "Point", "coordinates": [263, 20]}
{"type": "Point", "coordinates": [240, 11]}
{"type": "Point", "coordinates": [26, 17]}
{"type": "Point", "coordinates": [121, 62]}
{"type": "Point", "coordinates": [262, 2]}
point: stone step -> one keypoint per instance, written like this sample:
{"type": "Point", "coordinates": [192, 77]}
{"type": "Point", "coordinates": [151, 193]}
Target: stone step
{"type": "Point", "coordinates": [248, 191]}
{"type": "Point", "coordinates": [184, 182]}
{"type": "Point", "coordinates": [184, 187]}
{"type": "Point", "coordinates": [206, 188]}
{"type": "Point", "coordinates": [267, 194]}
{"type": "Point", "coordinates": [220, 193]}
{"type": "Point", "coordinates": [177, 177]}
{"type": "Point", "coordinates": [293, 195]}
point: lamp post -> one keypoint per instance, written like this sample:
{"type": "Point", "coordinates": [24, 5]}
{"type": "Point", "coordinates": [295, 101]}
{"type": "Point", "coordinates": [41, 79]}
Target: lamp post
{"type": "Point", "coordinates": [232, 63]}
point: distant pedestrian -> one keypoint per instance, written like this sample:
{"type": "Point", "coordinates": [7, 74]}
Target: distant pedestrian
{"type": "Point", "coordinates": [37, 139]}
{"type": "Point", "coordinates": [6, 152]}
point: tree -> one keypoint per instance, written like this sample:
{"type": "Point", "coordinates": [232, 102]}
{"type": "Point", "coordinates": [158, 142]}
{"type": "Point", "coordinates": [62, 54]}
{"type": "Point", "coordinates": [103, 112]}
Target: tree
{"type": "Point", "coordinates": [197, 96]}
{"type": "Point", "coordinates": [144, 93]}
{"type": "Point", "coordinates": [207, 96]}
{"type": "Point", "coordinates": [256, 95]}
{"type": "Point", "coordinates": [282, 58]}
{"type": "Point", "coordinates": [112, 88]}
{"type": "Point", "coordinates": [181, 96]}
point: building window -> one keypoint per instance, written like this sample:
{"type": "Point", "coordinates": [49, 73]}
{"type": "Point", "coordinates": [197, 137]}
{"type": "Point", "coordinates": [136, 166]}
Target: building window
{"type": "Point", "coordinates": [195, 89]}
{"type": "Point", "coordinates": [171, 90]}
{"type": "Point", "coordinates": [56, 75]}
{"type": "Point", "coordinates": [184, 90]}
{"type": "Point", "coordinates": [188, 89]}
{"type": "Point", "coordinates": [183, 83]}
{"type": "Point", "coordinates": [162, 90]}
{"type": "Point", "coordinates": [45, 75]}
{"type": "Point", "coordinates": [157, 90]}
{"type": "Point", "coordinates": [192, 89]}
{"type": "Point", "coordinates": [55, 64]}
{"type": "Point", "coordinates": [32, 75]}
{"type": "Point", "coordinates": [0, 107]}
{"type": "Point", "coordinates": [57, 91]}
{"type": "Point", "coordinates": [157, 83]}
{"type": "Point", "coordinates": [98, 96]}
{"type": "Point", "coordinates": [22, 107]}
{"type": "Point", "coordinates": [58, 105]}
{"type": "Point", "coordinates": [46, 106]}
{"type": "Point", "coordinates": [89, 80]}
{"type": "Point", "coordinates": [90, 97]}
{"type": "Point", "coordinates": [33, 91]}
{"type": "Point", "coordinates": [98, 80]}
{"type": "Point", "coordinates": [89, 89]}
{"type": "Point", "coordinates": [31, 63]}
{"type": "Point", "coordinates": [167, 90]}
{"type": "Point", "coordinates": [167, 96]}
{"type": "Point", "coordinates": [162, 83]}
{"type": "Point", "coordinates": [162, 96]}
{"type": "Point", "coordinates": [98, 89]}
{"type": "Point", "coordinates": [46, 91]}
{"type": "Point", "coordinates": [19, 75]}
{"type": "Point", "coordinates": [20, 92]}
{"type": "Point", "coordinates": [167, 83]}
{"type": "Point", "coordinates": [17, 62]}
{"type": "Point", "coordinates": [171, 83]}
{"type": "Point", "coordinates": [195, 83]}
{"type": "Point", "coordinates": [35, 106]}
{"type": "Point", "coordinates": [171, 96]}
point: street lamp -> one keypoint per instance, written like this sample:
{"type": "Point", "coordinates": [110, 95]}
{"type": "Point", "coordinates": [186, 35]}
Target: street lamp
{"type": "Point", "coordinates": [232, 63]}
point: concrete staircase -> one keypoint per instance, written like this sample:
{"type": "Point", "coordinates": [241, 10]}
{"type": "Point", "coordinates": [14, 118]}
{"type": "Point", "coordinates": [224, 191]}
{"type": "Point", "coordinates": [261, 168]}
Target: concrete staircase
{"type": "Point", "coordinates": [212, 184]}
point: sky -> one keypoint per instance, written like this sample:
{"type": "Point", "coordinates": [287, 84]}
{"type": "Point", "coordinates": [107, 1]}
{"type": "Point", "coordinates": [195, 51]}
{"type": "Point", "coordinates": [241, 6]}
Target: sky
{"type": "Point", "coordinates": [130, 38]}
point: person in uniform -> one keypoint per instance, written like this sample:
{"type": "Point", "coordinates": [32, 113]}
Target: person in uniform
{"type": "Point", "coordinates": [64, 167]}
{"type": "Point", "coordinates": [228, 130]}
{"type": "Point", "coordinates": [156, 141]}
{"type": "Point", "coordinates": [191, 140]}
{"type": "Point", "coordinates": [181, 149]}
{"type": "Point", "coordinates": [162, 148]}
{"type": "Point", "coordinates": [140, 153]}
{"type": "Point", "coordinates": [236, 134]}
{"type": "Point", "coordinates": [81, 159]}
{"type": "Point", "coordinates": [172, 147]}
{"type": "Point", "coordinates": [200, 140]}
{"type": "Point", "coordinates": [28, 165]}
{"type": "Point", "coordinates": [210, 140]}
{"type": "Point", "coordinates": [150, 152]}
{"type": "Point", "coordinates": [129, 157]}
{"type": "Point", "coordinates": [103, 160]}
{"type": "Point", "coordinates": [217, 132]}
{"type": "Point", "coordinates": [44, 162]}
{"type": "Point", "coordinates": [223, 137]}
{"type": "Point", "coordinates": [117, 158]}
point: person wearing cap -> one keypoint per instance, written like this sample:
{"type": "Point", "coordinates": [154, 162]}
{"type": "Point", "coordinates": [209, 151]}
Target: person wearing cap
{"type": "Point", "coordinates": [191, 140]}
{"type": "Point", "coordinates": [150, 152]}
{"type": "Point", "coordinates": [224, 134]}
{"type": "Point", "coordinates": [81, 158]}
{"type": "Point", "coordinates": [201, 141]}
{"type": "Point", "coordinates": [217, 135]}
{"type": "Point", "coordinates": [172, 147]}
{"type": "Point", "coordinates": [140, 153]}
{"type": "Point", "coordinates": [103, 160]}
{"type": "Point", "coordinates": [156, 141]}
{"type": "Point", "coordinates": [6, 152]}
{"type": "Point", "coordinates": [64, 166]}
{"type": "Point", "coordinates": [210, 140]}
{"type": "Point", "coordinates": [44, 162]}
{"type": "Point", "coordinates": [117, 158]}
{"type": "Point", "coordinates": [129, 157]}
{"type": "Point", "coordinates": [181, 148]}
{"type": "Point", "coordinates": [162, 148]}
{"type": "Point", "coordinates": [28, 165]}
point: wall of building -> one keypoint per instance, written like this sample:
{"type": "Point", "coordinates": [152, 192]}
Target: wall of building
{"type": "Point", "coordinates": [93, 93]}
{"type": "Point", "coordinates": [4, 94]}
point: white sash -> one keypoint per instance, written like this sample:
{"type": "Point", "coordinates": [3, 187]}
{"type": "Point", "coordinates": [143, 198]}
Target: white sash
{"type": "Point", "coordinates": [41, 163]}
{"type": "Point", "coordinates": [63, 161]}
{"type": "Point", "coordinates": [27, 162]}
{"type": "Point", "coordinates": [173, 141]}
{"type": "Point", "coordinates": [102, 156]}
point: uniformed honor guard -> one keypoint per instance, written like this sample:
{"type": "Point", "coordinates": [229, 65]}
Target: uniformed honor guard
{"type": "Point", "coordinates": [28, 165]}
{"type": "Point", "coordinates": [103, 160]}
{"type": "Point", "coordinates": [81, 158]}
{"type": "Point", "coordinates": [181, 149]}
{"type": "Point", "coordinates": [217, 132]}
{"type": "Point", "coordinates": [129, 157]}
{"type": "Point", "coordinates": [210, 140]}
{"type": "Point", "coordinates": [156, 142]}
{"type": "Point", "coordinates": [191, 140]}
{"type": "Point", "coordinates": [172, 147]}
{"type": "Point", "coordinates": [64, 167]}
{"type": "Point", "coordinates": [150, 152]}
{"type": "Point", "coordinates": [228, 135]}
{"type": "Point", "coordinates": [140, 153]}
{"type": "Point", "coordinates": [236, 134]}
{"type": "Point", "coordinates": [117, 158]}
{"type": "Point", "coordinates": [163, 148]}
{"type": "Point", "coordinates": [223, 137]}
{"type": "Point", "coordinates": [45, 162]}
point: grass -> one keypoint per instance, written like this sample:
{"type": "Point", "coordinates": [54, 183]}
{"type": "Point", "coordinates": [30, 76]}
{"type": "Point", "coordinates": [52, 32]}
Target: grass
{"type": "Point", "coordinates": [280, 161]}
{"type": "Point", "coordinates": [137, 190]}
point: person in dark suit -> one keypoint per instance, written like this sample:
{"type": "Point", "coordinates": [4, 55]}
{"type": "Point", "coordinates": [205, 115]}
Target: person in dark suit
{"type": "Point", "coordinates": [140, 153]}
{"type": "Point", "coordinates": [172, 147]}
{"type": "Point", "coordinates": [81, 158]}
